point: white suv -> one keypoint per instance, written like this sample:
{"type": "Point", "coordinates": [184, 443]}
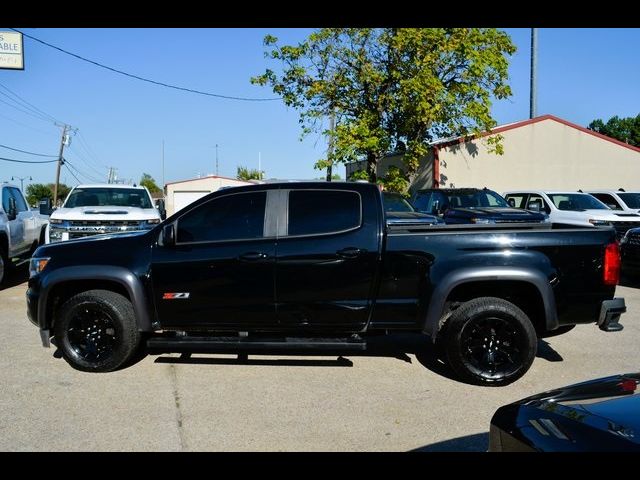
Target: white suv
{"type": "Point", "coordinates": [618, 199]}
{"type": "Point", "coordinates": [573, 208]}
{"type": "Point", "coordinates": [102, 208]}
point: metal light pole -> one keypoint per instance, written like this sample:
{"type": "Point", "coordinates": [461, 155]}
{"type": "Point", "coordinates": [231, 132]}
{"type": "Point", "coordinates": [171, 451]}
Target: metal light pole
{"type": "Point", "coordinates": [22, 179]}
{"type": "Point", "coordinates": [533, 100]}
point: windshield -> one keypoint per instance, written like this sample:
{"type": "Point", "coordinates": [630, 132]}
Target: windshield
{"type": "Point", "coordinates": [631, 199]}
{"type": "Point", "coordinates": [396, 203]}
{"type": "Point", "coordinates": [576, 201]}
{"type": "Point", "coordinates": [108, 197]}
{"type": "Point", "coordinates": [476, 199]}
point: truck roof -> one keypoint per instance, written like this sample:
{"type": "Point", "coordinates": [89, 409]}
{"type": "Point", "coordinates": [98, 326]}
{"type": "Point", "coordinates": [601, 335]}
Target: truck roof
{"type": "Point", "coordinates": [108, 185]}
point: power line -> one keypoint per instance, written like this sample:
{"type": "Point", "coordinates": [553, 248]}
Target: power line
{"type": "Point", "coordinates": [77, 154]}
{"type": "Point", "coordinates": [33, 107]}
{"type": "Point", "coordinates": [22, 110]}
{"type": "Point", "coordinates": [74, 175]}
{"type": "Point", "coordinates": [191, 90]}
{"type": "Point", "coordinates": [80, 172]}
{"type": "Point", "coordinates": [24, 125]}
{"type": "Point", "coordinates": [29, 153]}
{"type": "Point", "coordinates": [26, 161]}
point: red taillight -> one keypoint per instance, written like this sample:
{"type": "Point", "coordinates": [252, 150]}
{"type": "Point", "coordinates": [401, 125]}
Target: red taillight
{"type": "Point", "coordinates": [628, 386]}
{"type": "Point", "coordinates": [611, 270]}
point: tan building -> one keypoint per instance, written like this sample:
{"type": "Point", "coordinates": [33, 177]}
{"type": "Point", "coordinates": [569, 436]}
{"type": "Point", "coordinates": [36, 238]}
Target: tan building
{"type": "Point", "coordinates": [181, 193]}
{"type": "Point", "coordinates": [545, 152]}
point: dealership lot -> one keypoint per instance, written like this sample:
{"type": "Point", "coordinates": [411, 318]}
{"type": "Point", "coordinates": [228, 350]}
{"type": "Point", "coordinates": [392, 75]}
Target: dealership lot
{"type": "Point", "coordinates": [398, 399]}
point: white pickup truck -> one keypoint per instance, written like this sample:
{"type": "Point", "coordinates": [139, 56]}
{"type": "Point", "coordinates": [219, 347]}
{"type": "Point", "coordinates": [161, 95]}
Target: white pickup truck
{"type": "Point", "coordinates": [102, 208]}
{"type": "Point", "coordinates": [574, 208]}
{"type": "Point", "coordinates": [21, 229]}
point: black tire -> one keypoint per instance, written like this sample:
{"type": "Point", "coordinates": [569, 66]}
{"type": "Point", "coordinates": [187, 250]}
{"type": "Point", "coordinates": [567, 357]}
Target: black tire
{"type": "Point", "coordinates": [489, 341]}
{"type": "Point", "coordinates": [558, 331]}
{"type": "Point", "coordinates": [96, 331]}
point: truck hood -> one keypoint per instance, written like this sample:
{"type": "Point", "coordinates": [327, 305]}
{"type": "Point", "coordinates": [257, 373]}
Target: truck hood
{"type": "Point", "coordinates": [105, 213]}
{"type": "Point", "coordinates": [610, 404]}
{"type": "Point", "coordinates": [608, 215]}
{"type": "Point", "coordinates": [404, 218]}
{"type": "Point", "coordinates": [501, 213]}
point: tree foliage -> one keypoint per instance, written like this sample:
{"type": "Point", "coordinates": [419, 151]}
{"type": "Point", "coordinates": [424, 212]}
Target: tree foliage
{"type": "Point", "coordinates": [244, 173]}
{"type": "Point", "coordinates": [38, 191]}
{"type": "Point", "coordinates": [392, 89]}
{"type": "Point", "coordinates": [624, 129]}
{"type": "Point", "coordinates": [395, 181]}
{"type": "Point", "coordinates": [148, 181]}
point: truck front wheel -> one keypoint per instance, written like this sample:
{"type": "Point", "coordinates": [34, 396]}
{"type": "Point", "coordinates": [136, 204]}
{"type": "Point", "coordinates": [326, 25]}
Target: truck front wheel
{"type": "Point", "coordinates": [489, 341]}
{"type": "Point", "coordinates": [96, 331]}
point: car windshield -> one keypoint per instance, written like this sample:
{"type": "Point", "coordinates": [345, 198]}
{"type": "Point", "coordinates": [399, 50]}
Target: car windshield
{"type": "Point", "coordinates": [108, 197]}
{"type": "Point", "coordinates": [394, 202]}
{"type": "Point", "coordinates": [576, 201]}
{"type": "Point", "coordinates": [475, 199]}
{"type": "Point", "coordinates": [631, 199]}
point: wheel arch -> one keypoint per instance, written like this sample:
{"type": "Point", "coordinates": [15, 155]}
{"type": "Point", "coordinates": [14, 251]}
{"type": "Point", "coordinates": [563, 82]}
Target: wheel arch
{"type": "Point", "coordinates": [67, 281]}
{"type": "Point", "coordinates": [491, 279]}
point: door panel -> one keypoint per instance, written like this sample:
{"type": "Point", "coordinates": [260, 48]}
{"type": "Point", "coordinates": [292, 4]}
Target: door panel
{"type": "Point", "coordinates": [324, 280]}
{"type": "Point", "coordinates": [220, 274]}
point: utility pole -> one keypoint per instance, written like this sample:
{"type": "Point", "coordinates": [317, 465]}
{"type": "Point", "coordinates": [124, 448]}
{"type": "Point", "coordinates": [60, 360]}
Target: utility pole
{"type": "Point", "coordinates": [260, 165]}
{"type": "Point", "coordinates": [216, 159]}
{"type": "Point", "coordinates": [63, 140]}
{"type": "Point", "coordinates": [533, 100]}
{"type": "Point", "coordinates": [332, 126]}
{"type": "Point", "coordinates": [163, 165]}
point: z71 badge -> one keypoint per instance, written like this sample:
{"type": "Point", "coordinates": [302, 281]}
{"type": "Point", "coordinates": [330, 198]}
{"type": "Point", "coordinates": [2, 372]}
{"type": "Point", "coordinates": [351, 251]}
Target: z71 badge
{"type": "Point", "coordinates": [175, 296]}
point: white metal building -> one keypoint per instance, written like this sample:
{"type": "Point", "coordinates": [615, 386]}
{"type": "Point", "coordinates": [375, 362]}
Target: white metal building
{"type": "Point", "coordinates": [183, 192]}
{"type": "Point", "coordinates": [545, 152]}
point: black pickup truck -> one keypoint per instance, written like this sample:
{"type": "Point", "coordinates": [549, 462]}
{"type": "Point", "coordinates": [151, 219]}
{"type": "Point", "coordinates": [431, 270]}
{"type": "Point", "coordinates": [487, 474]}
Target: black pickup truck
{"type": "Point", "coordinates": [314, 267]}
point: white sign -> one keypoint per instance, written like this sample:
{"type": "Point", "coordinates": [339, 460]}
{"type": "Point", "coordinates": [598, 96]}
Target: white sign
{"type": "Point", "coordinates": [11, 52]}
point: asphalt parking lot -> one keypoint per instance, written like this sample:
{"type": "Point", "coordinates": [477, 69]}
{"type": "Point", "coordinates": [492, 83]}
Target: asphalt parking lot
{"type": "Point", "coordinates": [396, 400]}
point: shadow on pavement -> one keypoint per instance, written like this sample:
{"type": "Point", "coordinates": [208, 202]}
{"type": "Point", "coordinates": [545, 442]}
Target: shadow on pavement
{"type": "Point", "coordinates": [17, 276]}
{"type": "Point", "coordinates": [628, 280]}
{"type": "Point", "coordinates": [398, 346]}
{"type": "Point", "coordinates": [470, 443]}
{"type": "Point", "coordinates": [546, 351]}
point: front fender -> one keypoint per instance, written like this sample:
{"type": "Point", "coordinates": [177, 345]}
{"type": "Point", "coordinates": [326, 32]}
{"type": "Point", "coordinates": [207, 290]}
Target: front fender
{"type": "Point", "coordinates": [120, 275]}
{"type": "Point", "coordinates": [489, 274]}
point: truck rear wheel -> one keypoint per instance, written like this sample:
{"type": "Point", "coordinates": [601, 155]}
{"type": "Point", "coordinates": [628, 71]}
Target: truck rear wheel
{"type": "Point", "coordinates": [489, 341]}
{"type": "Point", "coordinates": [96, 331]}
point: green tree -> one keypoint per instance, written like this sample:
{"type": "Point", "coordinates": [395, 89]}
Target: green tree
{"type": "Point", "coordinates": [63, 191]}
{"type": "Point", "coordinates": [395, 181]}
{"type": "Point", "coordinates": [148, 181]}
{"type": "Point", "coordinates": [334, 176]}
{"type": "Point", "coordinates": [624, 129]}
{"type": "Point", "coordinates": [36, 192]}
{"type": "Point", "coordinates": [243, 173]}
{"type": "Point", "coordinates": [392, 88]}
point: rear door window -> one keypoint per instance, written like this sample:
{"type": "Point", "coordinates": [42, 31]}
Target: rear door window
{"type": "Point", "coordinates": [317, 212]}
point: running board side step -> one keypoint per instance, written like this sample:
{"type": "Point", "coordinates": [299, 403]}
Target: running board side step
{"type": "Point", "coordinates": [234, 344]}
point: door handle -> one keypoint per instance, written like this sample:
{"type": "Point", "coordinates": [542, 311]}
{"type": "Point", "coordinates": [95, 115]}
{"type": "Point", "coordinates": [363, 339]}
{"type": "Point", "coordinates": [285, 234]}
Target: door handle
{"type": "Point", "coordinates": [350, 252]}
{"type": "Point", "coordinates": [253, 256]}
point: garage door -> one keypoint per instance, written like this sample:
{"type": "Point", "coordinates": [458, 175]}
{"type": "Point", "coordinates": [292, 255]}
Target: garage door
{"type": "Point", "coordinates": [182, 199]}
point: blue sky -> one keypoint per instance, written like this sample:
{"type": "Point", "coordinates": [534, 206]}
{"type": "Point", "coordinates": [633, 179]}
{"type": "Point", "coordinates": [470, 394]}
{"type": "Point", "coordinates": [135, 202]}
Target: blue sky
{"type": "Point", "coordinates": [583, 74]}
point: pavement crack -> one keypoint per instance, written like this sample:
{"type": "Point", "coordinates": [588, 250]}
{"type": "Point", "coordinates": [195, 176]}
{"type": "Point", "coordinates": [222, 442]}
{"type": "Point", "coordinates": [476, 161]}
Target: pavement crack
{"type": "Point", "coordinates": [176, 398]}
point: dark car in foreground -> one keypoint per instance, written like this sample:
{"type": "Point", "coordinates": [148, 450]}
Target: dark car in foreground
{"type": "Point", "coordinates": [471, 205]}
{"type": "Point", "coordinates": [598, 415]}
{"type": "Point", "coordinates": [398, 211]}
